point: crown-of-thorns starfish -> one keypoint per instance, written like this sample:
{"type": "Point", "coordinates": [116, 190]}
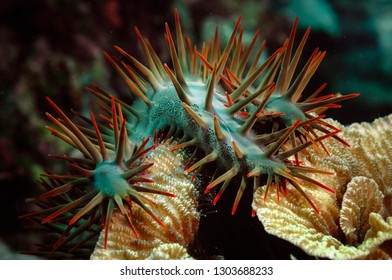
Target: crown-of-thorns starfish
{"type": "Point", "coordinates": [108, 174]}
{"type": "Point", "coordinates": [246, 119]}
{"type": "Point", "coordinates": [250, 119]}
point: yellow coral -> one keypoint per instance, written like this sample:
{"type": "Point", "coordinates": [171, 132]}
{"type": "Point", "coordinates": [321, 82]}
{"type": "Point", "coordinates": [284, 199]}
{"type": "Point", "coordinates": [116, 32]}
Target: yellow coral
{"type": "Point", "coordinates": [179, 215]}
{"type": "Point", "coordinates": [173, 251]}
{"type": "Point", "coordinates": [356, 221]}
{"type": "Point", "coordinates": [361, 199]}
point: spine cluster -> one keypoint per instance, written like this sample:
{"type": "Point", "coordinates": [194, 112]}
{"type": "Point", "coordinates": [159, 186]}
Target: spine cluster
{"type": "Point", "coordinates": [246, 119]}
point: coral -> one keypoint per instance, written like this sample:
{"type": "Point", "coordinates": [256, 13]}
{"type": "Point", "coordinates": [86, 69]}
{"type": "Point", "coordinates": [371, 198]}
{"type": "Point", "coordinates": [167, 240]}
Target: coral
{"type": "Point", "coordinates": [179, 215]}
{"type": "Point", "coordinates": [355, 222]}
{"type": "Point", "coordinates": [169, 252]}
{"type": "Point", "coordinates": [369, 155]}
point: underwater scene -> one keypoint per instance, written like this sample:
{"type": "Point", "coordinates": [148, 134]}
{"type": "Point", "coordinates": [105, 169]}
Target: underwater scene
{"type": "Point", "coordinates": [225, 129]}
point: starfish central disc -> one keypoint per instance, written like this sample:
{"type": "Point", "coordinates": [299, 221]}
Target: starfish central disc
{"type": "Point", "coordinates": [108, 179]}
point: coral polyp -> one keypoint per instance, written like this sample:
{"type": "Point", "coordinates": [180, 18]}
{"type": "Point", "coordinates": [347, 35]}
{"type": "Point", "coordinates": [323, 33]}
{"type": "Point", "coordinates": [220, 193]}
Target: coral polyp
{"type": "Point", "coordinates": [245, 120]}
